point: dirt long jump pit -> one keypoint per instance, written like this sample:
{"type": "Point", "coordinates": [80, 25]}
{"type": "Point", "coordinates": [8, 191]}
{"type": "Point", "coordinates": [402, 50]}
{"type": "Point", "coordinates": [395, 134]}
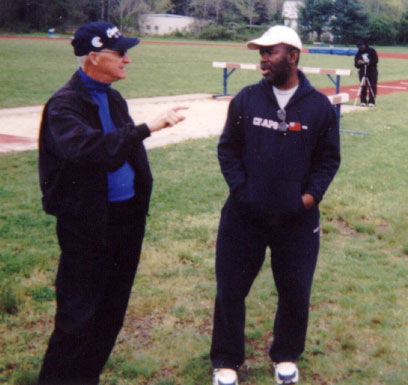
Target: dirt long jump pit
{"type": "Point", "coordinates": [205, 116]}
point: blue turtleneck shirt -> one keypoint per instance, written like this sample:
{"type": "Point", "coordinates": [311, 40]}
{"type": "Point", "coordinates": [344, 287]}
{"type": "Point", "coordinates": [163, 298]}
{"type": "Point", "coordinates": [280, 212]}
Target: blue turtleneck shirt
{"type": "Point", "coordinates": [121, 181]}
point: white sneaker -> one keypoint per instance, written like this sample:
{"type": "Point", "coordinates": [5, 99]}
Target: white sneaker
{"type": "Point", "coordinates": [286, 373]}
{"type": "Point", "coordinates": [224, 377]}
{"type": "Point", "coordinates": [371, 105]}
{"type": "Point", "coordinates": [363, 105]}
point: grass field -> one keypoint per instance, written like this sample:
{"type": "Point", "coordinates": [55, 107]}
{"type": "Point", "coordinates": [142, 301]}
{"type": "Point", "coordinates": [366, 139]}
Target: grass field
{"type": "Point", "coordinates": [358, 331]}
{"type": "Point", "coordinates": [33, 69]}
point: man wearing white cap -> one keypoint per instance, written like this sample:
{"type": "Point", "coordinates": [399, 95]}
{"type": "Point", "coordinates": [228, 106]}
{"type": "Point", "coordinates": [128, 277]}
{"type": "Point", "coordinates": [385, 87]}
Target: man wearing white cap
{"type": "Point", "coordinates": [278, 152]}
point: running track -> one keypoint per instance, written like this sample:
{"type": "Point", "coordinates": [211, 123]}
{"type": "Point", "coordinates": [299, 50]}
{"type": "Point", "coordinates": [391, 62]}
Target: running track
{"type": "Point", "coordinates": [383, 88]}
{"type": "Point", "coordinates": [387, 55]}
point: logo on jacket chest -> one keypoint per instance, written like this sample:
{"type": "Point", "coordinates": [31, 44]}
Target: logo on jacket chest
{"type": "Point", "coordinates": [273, 125]}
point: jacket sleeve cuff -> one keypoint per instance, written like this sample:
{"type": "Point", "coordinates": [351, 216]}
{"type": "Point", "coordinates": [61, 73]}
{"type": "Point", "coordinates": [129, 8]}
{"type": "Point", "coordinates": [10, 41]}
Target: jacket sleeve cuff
{"type": "Point", "coordinates": [140, 132]}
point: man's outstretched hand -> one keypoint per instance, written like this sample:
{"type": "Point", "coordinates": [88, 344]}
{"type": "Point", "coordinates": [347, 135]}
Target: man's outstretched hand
{"type": "Point", "coordinates": [167, 119]}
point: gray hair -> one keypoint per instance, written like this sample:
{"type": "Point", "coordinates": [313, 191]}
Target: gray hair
{"type": "Point", "coordinates": [81, 60]}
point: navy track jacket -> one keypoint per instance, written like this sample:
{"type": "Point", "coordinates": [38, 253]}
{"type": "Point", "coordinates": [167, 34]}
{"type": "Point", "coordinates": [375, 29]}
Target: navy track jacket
{"type": "Point", "coordinates": [267, 171]}
{"type": "Point", "coordinates": [75, 155]}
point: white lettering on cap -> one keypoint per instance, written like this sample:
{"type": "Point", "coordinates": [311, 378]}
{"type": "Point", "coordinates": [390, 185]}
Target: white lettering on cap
{"type": "Point", "coordinates": [96, 42]}
{"type": "Point", "coordinates": [112, 32]}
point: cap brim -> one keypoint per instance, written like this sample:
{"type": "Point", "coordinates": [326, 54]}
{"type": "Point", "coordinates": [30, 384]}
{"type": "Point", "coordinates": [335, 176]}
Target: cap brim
{"type": "Point", "coordinates": [126, 43]}
{"type": "Point", "coordinates": [255, 44]}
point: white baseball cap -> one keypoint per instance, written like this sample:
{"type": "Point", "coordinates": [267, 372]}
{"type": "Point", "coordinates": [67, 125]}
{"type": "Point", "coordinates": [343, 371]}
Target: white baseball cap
{"type": "Point", "coordinates": [276, 35]}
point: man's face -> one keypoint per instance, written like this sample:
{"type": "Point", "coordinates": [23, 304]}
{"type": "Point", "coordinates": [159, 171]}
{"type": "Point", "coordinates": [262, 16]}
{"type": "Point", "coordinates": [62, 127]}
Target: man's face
{"type": "Point", "coordinates": [111, 65]}
{"type": "Point", "coordinates": [275, 66]}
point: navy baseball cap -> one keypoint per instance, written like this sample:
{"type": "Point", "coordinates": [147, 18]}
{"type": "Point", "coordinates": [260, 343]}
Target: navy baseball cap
{"type": "Point", "coordinates": [99, 35]}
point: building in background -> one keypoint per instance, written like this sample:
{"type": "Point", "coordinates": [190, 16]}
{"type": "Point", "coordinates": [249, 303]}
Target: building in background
{"type": "Point", "coordinates": [164, 24]}
{"type": "Point", "coordinates": [290, 13]}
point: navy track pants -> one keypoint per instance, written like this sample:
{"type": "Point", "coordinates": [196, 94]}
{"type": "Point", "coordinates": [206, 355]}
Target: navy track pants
{"type": "Point", "coordinates": [93, 286]}
{"type": "Point", "coordinates": [240, 253]}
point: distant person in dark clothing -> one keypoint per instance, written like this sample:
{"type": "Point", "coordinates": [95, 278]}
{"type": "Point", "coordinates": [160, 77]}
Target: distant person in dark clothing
{"type": "Point", "coordinates": [366, 61]}
{"type": "Point", "coordinates": [95, 178]}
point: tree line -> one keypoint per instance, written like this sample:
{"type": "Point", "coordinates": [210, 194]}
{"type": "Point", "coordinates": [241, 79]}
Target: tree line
{"type": "Point", "coordinates": [37, 15]}
{"type": "Point", "coordinates": [347, 21]}
{"type": "Point", "coordinates": [380, 22]}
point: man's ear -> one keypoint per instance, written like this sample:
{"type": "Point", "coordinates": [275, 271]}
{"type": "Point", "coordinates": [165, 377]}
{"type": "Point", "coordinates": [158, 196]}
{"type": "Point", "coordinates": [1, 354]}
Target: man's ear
{"type": "Point", "coordinates": [293, 56]}
{"type": "Point", "coordinates": [93, 57]}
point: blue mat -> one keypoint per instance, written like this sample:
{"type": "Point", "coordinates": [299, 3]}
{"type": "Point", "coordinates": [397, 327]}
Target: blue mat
{"type": "Point", "coordinates": [334, 51]}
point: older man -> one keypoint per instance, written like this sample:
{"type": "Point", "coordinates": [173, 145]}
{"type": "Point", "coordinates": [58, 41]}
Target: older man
{"type": "Point", "coordinates": [96, 180]}
{"type": "Point", "coordinates": [278, 152]}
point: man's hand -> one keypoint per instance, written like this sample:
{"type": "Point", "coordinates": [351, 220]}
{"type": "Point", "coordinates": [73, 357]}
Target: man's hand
{"type": "Point", "coordinates": [167, 119]}
{"type": "Point", "coordinates": [308, 201]}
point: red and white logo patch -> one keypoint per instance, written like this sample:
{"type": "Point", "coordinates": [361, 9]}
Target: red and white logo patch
{"type": "Point", "coordinates": [295, 126]}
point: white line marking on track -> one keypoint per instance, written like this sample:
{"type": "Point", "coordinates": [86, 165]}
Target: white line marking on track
{"type": "Point", "coordinates": [393, 87]}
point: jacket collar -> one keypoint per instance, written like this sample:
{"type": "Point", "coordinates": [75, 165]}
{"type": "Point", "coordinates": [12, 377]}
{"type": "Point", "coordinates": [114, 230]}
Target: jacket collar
{"type": "Point", "coordinates": [79, 87]}
{"type": "Point", "coordinates": [305, 88]}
